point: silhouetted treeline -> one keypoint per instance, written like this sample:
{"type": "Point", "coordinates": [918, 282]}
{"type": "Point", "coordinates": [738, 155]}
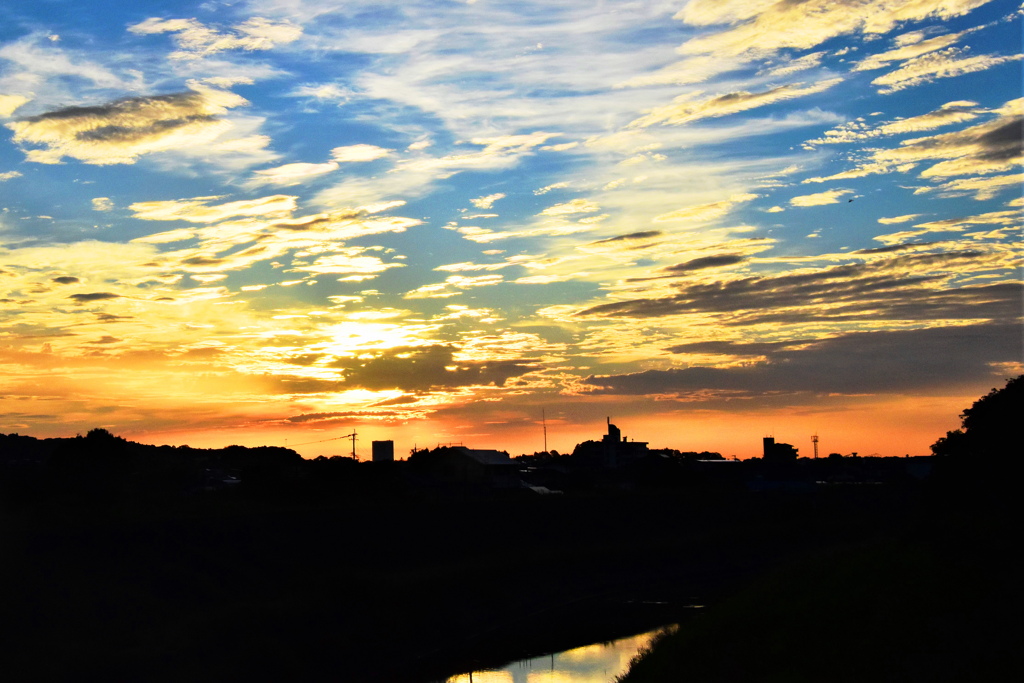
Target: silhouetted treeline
{"type": "Point", "coordinates": [105, 472]}
{"type": "Point", "coordinates": [101, 470]}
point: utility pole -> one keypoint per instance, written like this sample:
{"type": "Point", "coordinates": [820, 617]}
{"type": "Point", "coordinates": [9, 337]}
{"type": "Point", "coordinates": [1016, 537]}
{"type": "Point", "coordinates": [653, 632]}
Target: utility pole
{"type": "Point", "coordinates": [353, 437]}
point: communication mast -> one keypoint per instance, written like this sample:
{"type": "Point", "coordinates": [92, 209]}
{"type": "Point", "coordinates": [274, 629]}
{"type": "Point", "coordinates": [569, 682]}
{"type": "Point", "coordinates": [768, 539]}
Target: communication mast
{"type": "Point", "coordinates": [544, 422]}
{"type": "Point", "coordinates": [814, 439]}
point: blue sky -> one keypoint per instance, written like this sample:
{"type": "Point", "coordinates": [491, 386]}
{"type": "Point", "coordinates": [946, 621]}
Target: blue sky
{"type": "Point", "coordinates": [246, 222]}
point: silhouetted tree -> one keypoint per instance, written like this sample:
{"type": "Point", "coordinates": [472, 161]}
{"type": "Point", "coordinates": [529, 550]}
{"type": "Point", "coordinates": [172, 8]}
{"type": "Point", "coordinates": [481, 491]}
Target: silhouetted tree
{"type": "Point", "coordinates": [100, 434]}
{"type": "Point", "coordinates": [953, 443]}
{"type": "Point", "coordinates": [980, 461]}
{"type": "Point", "coordinates": [989, 428]}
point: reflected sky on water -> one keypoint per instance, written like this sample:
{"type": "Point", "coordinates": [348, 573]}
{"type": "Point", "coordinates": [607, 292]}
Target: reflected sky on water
{"type": "Point", "coordinates": [598, 663]}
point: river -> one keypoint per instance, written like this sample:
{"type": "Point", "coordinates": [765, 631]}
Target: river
{"type": "Point", "coordinates": [597, 663]}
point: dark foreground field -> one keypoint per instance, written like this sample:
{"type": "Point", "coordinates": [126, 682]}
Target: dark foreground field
{"type": "Point", "coordinates": [403, 588]}
{"type": "Point", "coordinates": [939, 601]}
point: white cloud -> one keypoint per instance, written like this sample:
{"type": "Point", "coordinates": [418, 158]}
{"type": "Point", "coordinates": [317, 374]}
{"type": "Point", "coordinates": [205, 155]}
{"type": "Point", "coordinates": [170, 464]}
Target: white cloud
{"type": "Point", "coordinates": [200, 209]}
{"type": "Point", "coordinates": [416, 175]}
{"type": "Point", "coordinates": [908, 49]}
{"type": "Point", "coordinates": [195, 40]}
{"type": "Point", "coordinates": [792, 66]}
{"type": "Point", "coordinates": [102, 204]}
{"type": "Point", "coordinates": [943, 64]}
{"type": "Point", "coordinates": [9, 103]}
{"type": "Point", "coordinates": [688, 108]}
{"type": "Point", "coordinates": [985, 148]}
{"type": "Point", "coordinates": [859, 129]}
{"type": "Point", "coordinates": [705, 212]}
{"type": "Point", "coordinates": [452, 286]}
{"type": "Point", "coordinates": [35, 64]}
{"type": "Point", "coordinates": [356, 153]}
{"type": "Point", "coordinates": [949, 113]}
{"type": "Point", "coordinates": [572, 207]}
{"type": "Point", "coordinates": [549, 188]}
{"type": "Point", "coordinates": [350, 262]}
{"type": "Point", "coordinates": [291, 174]}
{"type": "Point", "coordinates": [985, 187]}
{"type": "Point", "coordinates": [762, 27]}
{"type": "Point", "coordinates": [899, 219]}
{"type": "Point", "coordinates": [324, 92]}
{"type": "Point", "coordinates": [119, 132]}
{"type": "Point", "coordinates": [820, 198]}
{"type": "Point", "coordinates": [487, 201]}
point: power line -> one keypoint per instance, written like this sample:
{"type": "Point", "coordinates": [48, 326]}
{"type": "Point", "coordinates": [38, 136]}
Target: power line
{"type": "Point", "coordinates": [336, 438]}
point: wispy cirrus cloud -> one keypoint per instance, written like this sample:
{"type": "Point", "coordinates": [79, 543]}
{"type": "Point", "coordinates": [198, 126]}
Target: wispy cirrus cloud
{"type": "Point", "coordinates": [706, 212]}
{"type": "Point", "coordinates": [416, 173]}
{"type": "Point", "coordinates": [762, 28]}
{"type": "Point", "coordinates": [575, 206]}
{"type": "Point", "coordinates": [959, 111]}
{"type": "Point", "coordinates": [1000, 219]}
{"type": "Point", "coordinates": [356, 153]}
{"type": "Point", "coordinates": [943, 64]}
{"type": "Point", "coordinates": [982, 188]}
{"type": "Point", "coordinates": [820, 198]}
{"type": "Point", "coordinates": [452, 286]}
{"type": "Point", "coordinates": [690, 107]}
{"type": "Point", "coordinates": [909, 46]}
{"type": "Point", "coordinates": [291, 174]}
{"type": "Point", "coordinates": [196, 40]}
{"type": "Point", "coordinates": [906, 218]}
{"type": "Point", "coordinates": [950, 113]}
{"type": "Point", "coordinates": [985, 148]}
{"type": "Point", "coordinates": [202, 210]}
{"type": "Point", "coordinates": [36, 68]}
{"type": "Point", "coordinates": [990, 147]}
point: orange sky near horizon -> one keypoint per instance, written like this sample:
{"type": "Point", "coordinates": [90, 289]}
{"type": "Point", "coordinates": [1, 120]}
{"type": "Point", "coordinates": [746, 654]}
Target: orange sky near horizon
{"type": "Point", "coordinates": [896, 427]}
{"type": "Point", "coordinates": [430, 221]}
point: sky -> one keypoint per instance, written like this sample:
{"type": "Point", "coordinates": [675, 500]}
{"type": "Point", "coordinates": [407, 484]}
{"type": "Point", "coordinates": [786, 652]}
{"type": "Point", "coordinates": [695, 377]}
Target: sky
{"type": "Point", "coordinates": [280, 222]}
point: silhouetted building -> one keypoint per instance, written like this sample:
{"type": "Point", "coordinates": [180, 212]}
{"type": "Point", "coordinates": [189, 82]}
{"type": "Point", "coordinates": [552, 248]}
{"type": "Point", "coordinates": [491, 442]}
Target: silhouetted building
{"type": "Point", "coordinates": [614, 435]}
{"type": "Point", "coordinates": [383, 451]}
{"type": "Point", "coordinates": [778, 452]}
{"type": "Point", "coordinates": [619, 449]}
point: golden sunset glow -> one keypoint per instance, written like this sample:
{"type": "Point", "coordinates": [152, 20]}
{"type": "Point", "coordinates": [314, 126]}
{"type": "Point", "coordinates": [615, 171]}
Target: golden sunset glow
{"type": "Point", "coordinates": [281, 222]}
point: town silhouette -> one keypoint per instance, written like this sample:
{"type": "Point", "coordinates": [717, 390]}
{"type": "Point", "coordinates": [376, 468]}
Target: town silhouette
{"type": "Point", "coordinates": [126, 561]}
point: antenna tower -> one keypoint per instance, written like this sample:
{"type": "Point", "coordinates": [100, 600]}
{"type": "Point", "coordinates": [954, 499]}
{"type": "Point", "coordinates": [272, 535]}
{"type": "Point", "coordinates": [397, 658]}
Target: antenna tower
{"type": "Point", "coordinates": [544, 422]}
{"type": "Point", "coordinates": [814, 439]}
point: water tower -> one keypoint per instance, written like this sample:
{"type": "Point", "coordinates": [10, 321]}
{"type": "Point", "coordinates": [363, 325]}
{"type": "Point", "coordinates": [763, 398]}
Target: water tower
{"type": "Point", "coordinates": [383, 451]}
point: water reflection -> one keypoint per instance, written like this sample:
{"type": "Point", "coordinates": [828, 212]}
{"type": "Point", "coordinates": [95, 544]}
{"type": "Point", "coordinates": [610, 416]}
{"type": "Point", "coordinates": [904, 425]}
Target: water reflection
{"type": "Point", "coordinates": [599, 663]}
